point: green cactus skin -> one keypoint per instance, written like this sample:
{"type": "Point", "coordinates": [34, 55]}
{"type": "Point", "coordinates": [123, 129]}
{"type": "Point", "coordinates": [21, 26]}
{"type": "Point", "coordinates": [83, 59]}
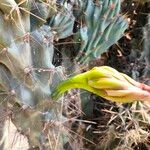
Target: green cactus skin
{"type": "Point", "coordinates": [26, 69]}
{"type": "Point", "coordinates": [101, 27]}
{"type": "Point", "coordinates": [146, 32]}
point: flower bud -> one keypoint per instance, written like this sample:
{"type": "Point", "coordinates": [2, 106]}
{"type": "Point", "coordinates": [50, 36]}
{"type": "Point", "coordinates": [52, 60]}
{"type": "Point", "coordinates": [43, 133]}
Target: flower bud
{"type": "Point", "coordinates": [107, 83]}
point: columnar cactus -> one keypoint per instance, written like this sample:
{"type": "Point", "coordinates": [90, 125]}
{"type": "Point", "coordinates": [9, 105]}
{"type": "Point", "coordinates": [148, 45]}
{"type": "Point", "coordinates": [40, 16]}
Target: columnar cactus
{"type": "Point", "coordinates": [26, 69]}
{"type": "Point", "coordinates": [147, 47]}
{"type": "Point", "coordinates": [101, 26]}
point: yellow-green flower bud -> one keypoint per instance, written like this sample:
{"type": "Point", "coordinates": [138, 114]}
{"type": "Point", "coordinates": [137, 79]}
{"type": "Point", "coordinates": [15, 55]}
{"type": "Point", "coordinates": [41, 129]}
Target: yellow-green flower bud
{"type": "Point", "coordinates": [107, 83]}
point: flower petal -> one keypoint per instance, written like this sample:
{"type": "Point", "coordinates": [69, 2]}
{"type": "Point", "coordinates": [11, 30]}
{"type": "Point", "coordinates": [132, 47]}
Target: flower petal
{"type": "Point", "coordinates": [107, 83]}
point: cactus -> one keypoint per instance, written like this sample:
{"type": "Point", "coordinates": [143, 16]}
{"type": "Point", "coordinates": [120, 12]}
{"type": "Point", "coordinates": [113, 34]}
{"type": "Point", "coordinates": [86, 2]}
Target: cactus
{"type": "Point", "coordinates": [101, 26]}
{"type": "Point", "coordinates": [147, 47]}
{"type": "Point", "coordinates": [26, 69]}
{"type": "Point", "coordinates": [29, 30]}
